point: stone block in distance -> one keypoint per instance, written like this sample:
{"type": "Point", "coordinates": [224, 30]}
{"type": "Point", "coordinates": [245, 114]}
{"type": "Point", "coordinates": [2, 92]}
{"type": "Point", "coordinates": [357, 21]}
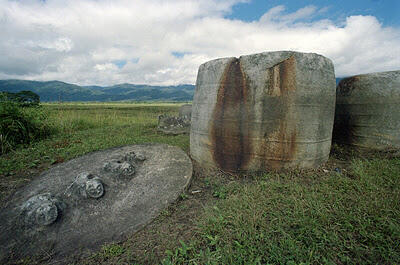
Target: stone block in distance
{"type": "Point", "coordinates": [368, 111]}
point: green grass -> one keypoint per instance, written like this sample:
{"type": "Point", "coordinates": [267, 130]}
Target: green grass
{"type": "Point", "coordinates": [287, 219]}
{"type": "Point", "coordinates": [112, 250]}
{"type": "Point", "coordinates": [295, 217]}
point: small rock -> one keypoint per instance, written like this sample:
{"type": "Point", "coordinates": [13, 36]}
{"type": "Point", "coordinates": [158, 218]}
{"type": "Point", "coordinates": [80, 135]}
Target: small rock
{"type": "Point", "coordinates": [338, 170]}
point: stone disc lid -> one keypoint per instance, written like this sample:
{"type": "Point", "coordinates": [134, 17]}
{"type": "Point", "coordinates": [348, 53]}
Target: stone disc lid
{"type": "Point", "coordinates": [92, 200]}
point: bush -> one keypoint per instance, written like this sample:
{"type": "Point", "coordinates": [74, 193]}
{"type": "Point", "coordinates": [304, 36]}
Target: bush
{"type": "Point", "coordinates": [28, 98]}
{"type": "Point", "coordinates": [20, 126]}
{"type": "Point", "coordinates": [24, 98]}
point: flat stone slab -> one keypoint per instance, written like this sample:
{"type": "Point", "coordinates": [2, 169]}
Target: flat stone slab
{"type": "Point", "coordinates": [95, 199]}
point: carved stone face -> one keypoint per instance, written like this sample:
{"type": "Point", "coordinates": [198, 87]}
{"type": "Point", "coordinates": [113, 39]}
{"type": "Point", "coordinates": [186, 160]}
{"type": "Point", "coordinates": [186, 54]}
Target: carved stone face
{"type": "Point", "coordinates": [85, 185]}
{"type": "Point", "coordinates": [42, 210]}
{"type": "Point", "coordinates": [94, 188]}
{"type": "Point", "coordinates": [126, 166]}
{"type": "Point", "coordinates": [46, 213]}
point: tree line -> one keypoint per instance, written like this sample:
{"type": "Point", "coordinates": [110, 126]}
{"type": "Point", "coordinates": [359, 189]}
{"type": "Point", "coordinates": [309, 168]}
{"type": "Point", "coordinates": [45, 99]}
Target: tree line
{"type": "Point", "coordinates": [24, 98]}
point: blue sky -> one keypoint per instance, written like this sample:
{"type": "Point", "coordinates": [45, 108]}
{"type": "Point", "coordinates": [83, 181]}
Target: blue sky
{"type": "Point", "coordinates": [163, 42]}
{"type": "Point", "coordinates": [386, 11]}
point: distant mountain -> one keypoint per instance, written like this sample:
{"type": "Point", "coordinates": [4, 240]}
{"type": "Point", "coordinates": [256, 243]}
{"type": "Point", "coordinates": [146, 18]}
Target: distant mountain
{"type": "Point", "coordinates": [56, 90]}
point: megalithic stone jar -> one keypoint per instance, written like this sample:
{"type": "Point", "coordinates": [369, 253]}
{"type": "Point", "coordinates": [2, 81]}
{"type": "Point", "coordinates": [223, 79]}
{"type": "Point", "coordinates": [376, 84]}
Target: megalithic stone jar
{"type": "Point", "coordinates": [264, 111]}
{"type": "Point", "coordinates": [368, 111]}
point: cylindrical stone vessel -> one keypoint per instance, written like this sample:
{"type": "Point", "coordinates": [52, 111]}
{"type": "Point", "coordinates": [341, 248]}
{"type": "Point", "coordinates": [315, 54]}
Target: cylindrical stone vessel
{"type": "Point", "coordinates": [368, 111]}
{"type": "Point", "coordinates": [264, 111]}
{"type": "Point", "coordinates": [185, 111]}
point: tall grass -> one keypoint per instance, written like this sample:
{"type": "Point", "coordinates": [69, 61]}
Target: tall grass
{"type": "Point", "coordinates": [21, 126]}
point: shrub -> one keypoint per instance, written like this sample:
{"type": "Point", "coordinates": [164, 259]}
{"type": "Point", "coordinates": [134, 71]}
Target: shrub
{"type": "Point", "coordinates": [28, 98]}
{"type": "Point", "coordinates": [24, 98]}
{"type": "Point", "coordinates": [20, 126]}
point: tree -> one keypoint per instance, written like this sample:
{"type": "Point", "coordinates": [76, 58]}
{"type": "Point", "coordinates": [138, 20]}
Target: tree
{"type": "Point", "coordinates": [24, 98]}
{"type": "Point", "coordinates": [28, 98]}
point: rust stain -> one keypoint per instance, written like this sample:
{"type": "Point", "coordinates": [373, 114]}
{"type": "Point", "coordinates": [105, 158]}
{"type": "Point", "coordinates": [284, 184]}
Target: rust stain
{"type": "Point", "coordinates": [230, 130]}
{"type": "Point", "coordinates": [280, 139]}
{"type": "Point", "coordinates": [282, 77]}
{"type": "Point", "coordinates": [287, 143]}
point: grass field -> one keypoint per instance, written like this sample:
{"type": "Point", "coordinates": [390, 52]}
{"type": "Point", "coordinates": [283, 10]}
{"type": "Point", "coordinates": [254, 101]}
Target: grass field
{"type": "Point", "coordinates": [345, 212]}
{"type": "Point", "coordinates": [85, 127]}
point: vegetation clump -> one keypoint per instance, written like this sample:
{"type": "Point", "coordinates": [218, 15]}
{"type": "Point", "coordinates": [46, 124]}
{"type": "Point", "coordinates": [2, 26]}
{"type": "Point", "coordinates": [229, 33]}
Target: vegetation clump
{"type": "Point", "coordinates": [22, 121]}
{"type": "Point", "coordinates": [24, 98]}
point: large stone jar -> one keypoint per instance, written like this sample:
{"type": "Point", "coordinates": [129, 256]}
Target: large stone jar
{"type": "Point", "coordinates": [368, 111]}
{"type": "Point", "coordinates": [263, 111]}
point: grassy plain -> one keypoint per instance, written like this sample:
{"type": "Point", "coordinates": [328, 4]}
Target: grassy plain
{"type": "Point", "coordinates": [80, 128]}
{"type": "Point", "coordinates": [345, 212]}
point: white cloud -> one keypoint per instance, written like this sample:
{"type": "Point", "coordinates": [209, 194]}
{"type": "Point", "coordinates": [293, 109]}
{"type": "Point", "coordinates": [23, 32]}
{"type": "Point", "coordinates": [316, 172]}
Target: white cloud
{"type": "Point", "coordinates": [105, 67]}
{"type": "Point", "coordinates": [272, 14]}
{"type": "Point", "coordinates": [276, 14]}
{"type": "Point", "coordinates": [79, 41]}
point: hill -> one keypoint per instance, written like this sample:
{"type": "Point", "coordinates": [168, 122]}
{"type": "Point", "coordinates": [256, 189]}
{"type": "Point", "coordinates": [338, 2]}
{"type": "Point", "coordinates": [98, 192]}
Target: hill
{"type": "Point", "coordinates": [57, 90]}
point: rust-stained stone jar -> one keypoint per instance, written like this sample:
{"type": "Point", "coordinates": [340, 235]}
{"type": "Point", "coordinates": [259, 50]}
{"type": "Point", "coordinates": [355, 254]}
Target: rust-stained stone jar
{"type": "Point", "coordinates": [368, 111]}
{"type": "Point", "coordinates": [263, 111]}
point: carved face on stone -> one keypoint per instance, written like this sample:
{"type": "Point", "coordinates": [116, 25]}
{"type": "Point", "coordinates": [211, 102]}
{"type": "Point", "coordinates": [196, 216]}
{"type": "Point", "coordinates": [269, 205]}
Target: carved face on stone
{"type": "Point", "coordinates": [94, 188]}
{"type": "Point", "coordinates": [46, 213]}
{"type": "Point", "coordinates": [42, 209]}
{"type": "Point", "coordinates": [85, 185]}
{"type": "Point", "coordinates": [126, 166]}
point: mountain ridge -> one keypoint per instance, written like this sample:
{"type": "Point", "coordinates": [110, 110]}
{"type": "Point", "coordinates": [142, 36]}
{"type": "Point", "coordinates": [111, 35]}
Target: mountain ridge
{"type": "Point", "coordinates": [61, 91]}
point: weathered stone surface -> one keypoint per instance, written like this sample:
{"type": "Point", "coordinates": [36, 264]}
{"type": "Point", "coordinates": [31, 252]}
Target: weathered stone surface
{"type": "Point", "coordinates": [173, 125]}
{"type": "Point", "coordinates": [263, 111]}
{"type": "Point", "coordinates": [78, 205]}
{"type": "Point", "coordinates": [368, 111]}
{"type": "Point", "coordinates": [186, 111]}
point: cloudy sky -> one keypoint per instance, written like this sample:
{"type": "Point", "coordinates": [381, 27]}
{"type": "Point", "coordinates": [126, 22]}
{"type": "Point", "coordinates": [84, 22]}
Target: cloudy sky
{"type": "Point", "coordinates": [163, 42]}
